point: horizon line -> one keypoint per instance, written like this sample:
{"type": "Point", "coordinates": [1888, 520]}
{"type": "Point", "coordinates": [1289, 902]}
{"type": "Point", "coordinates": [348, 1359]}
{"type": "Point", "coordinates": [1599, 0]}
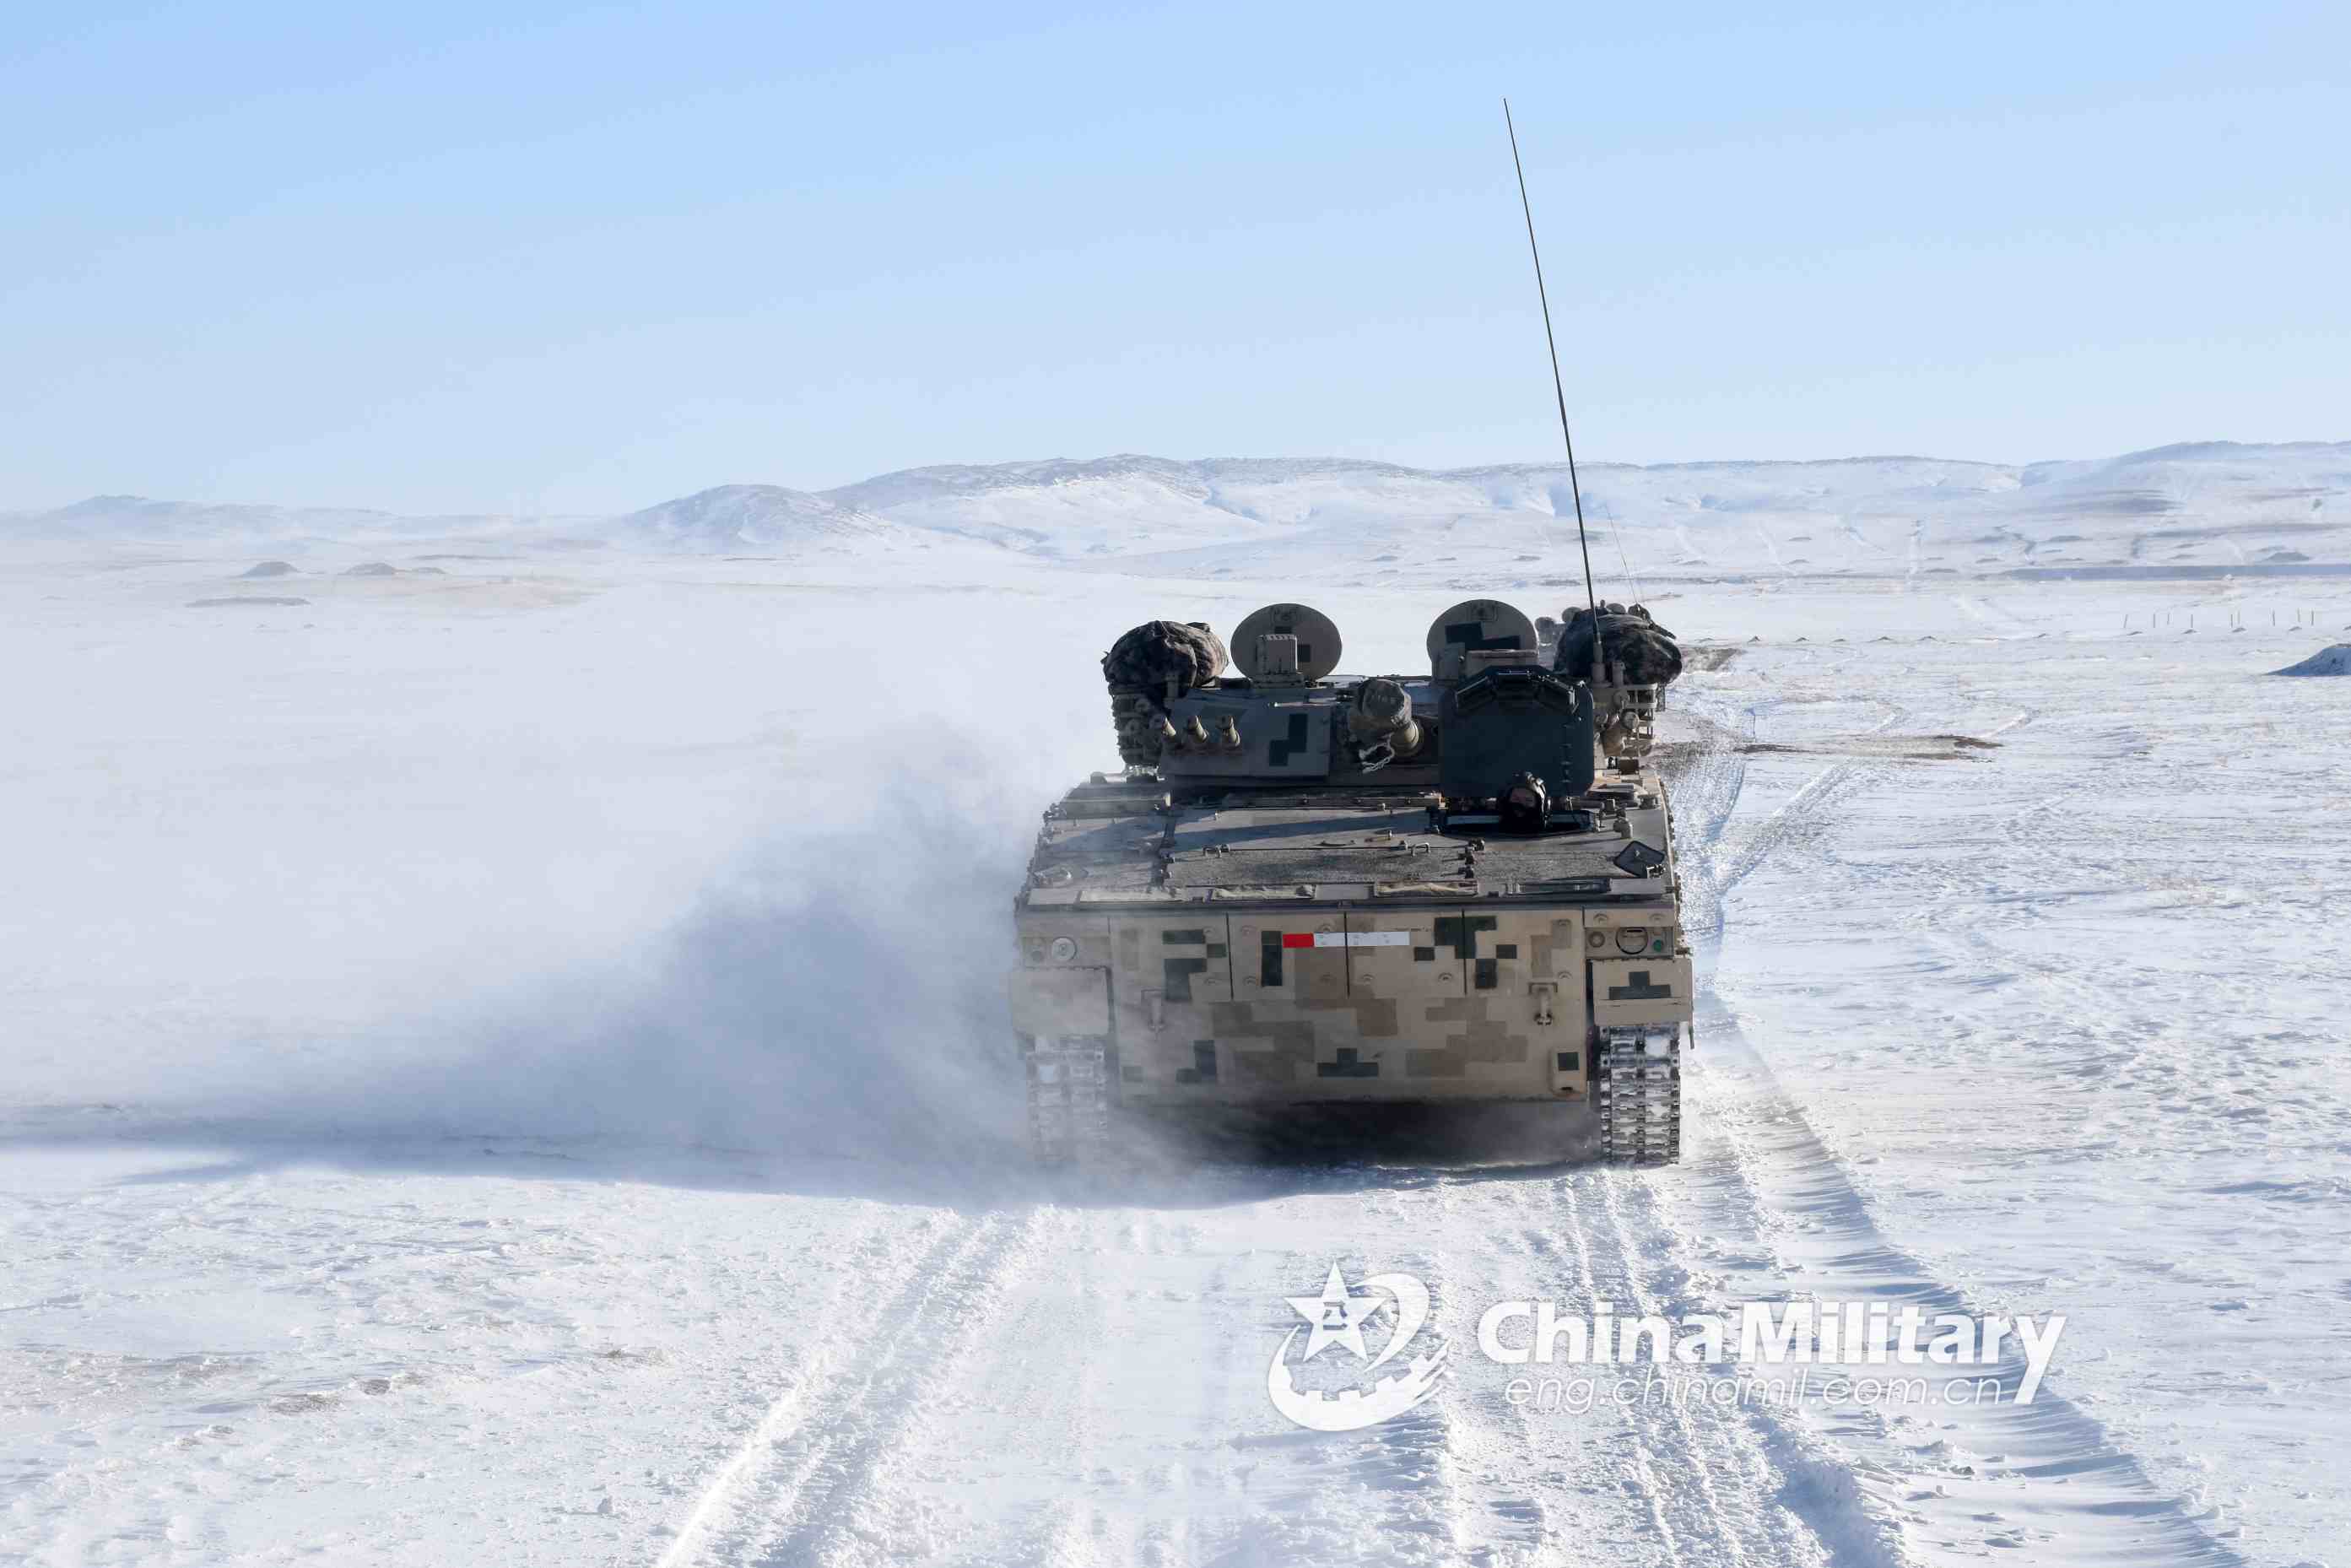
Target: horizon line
{"type": "Point", "coordinates": [124, 498]}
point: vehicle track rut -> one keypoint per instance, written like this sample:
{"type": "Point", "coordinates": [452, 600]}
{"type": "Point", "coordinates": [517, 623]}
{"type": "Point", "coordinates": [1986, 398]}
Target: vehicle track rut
{"type": "Point", "coordinates": [1161, 1303]}
{"type": "Point", "coordinates": [1766, 1161]}
{"type": "Point", "coordinates": [792, 1494]}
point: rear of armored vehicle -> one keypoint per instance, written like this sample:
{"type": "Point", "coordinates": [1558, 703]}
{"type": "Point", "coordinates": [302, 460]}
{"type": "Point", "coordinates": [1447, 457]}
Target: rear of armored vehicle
{"type": "Point", "coordinates": [1259, 923]}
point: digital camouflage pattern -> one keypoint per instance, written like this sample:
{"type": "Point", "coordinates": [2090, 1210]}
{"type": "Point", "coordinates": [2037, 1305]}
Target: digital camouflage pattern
{"type": "Point", "coordinates": [1305, 890]}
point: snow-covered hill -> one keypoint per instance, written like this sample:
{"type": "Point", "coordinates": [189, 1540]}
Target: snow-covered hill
{"type": "Point", "coordinates": [139, 518]}
{"type": "Point", "coordinates": [767, 517]}
{"type": "Point", "coordinates": [2204, 508]}
{"type": "Point", "coordinates": [2216, 506]}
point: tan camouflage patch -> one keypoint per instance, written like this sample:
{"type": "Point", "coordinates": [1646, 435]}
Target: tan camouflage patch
{"type": "Point", "coordinates": [1300, 1048]}
{"type": "Point", "coordinates": [1415, 968]}
{"type": "Point", "coordinates": [1480, 1037]}
{"type": "Point", "coordinates": [1375, 1017]}
{"type": "Point", "coordinates": [1552, 947]}
{"type": "Point", "coordinates": [1289, 1044]}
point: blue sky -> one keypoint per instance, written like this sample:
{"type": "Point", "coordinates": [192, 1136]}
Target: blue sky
{"type": "Point", "coordinates": [572, 259]}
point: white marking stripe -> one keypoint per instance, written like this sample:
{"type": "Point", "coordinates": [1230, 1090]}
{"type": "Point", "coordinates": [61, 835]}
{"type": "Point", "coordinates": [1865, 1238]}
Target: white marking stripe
{"type": "Point", "coordinates": [1363, 939]}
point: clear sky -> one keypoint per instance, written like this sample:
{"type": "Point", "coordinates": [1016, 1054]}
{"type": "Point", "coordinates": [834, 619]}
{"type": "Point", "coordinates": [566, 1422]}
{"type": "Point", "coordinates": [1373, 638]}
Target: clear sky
{"type": "Point", "coordinates": [585, 259]}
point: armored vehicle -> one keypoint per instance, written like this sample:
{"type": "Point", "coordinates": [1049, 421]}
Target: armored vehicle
{"type": "Point", "coordinates": [1306, 890]}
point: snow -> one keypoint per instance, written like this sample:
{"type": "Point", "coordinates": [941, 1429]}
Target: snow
{"type": "Point", "coordinates": [2329, 661]}
{"type": "Point", "coordinates": [504, 1063]}
{"type": "Point", "coordinates": [739, 516]}
{"type": "Point", "coordinates": [2214, 507]}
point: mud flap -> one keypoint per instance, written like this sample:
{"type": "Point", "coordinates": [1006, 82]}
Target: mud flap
{"type": "Point", "coordinates": [1054, 1002]}
{"type": "Point", "coordinates": [1633, 992]}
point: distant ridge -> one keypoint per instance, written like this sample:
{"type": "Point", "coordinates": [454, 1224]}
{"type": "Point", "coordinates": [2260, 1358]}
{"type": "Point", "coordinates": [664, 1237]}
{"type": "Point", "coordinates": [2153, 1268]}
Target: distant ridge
{"type": "Point", "coordinates": [143, 518]}
{"type": "Point", "coordinates": [729, 514]}
{"type": "Point", "coordinates": [2210, 507]}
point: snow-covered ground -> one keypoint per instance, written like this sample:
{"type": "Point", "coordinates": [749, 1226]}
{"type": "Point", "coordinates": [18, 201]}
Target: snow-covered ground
{"type": "Point", "coordinates": [503, 1064]}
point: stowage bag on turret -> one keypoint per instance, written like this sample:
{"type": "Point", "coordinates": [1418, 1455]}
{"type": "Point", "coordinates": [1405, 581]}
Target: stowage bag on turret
{"type": "Point", "coordinates": [1647, 651]}
{"type": "Point", "coordinates": [1146, 658]}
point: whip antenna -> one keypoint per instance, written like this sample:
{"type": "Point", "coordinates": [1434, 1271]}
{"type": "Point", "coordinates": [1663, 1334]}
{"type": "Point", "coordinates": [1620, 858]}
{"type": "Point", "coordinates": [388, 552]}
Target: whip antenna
{"type": "Point", "coordinates": [1558, 390]}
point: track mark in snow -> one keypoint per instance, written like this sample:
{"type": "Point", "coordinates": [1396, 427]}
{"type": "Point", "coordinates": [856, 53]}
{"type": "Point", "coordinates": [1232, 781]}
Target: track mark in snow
{"type": "Point", "coordinates": [1754, 1147]}
{"type": "Point", "coordinates": [791, 1491]}
{"type": "Point", "coordinates": [1723, 869]}
{"type": "Point", "coordinates": [1743, 1494]}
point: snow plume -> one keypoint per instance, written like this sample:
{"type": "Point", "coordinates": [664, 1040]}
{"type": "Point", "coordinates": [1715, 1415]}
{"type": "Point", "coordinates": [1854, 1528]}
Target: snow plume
{"type": "Point", "coordinates": [839, 988]}
{"type": "Point", "coordinates": [741, 880]}
{"type": "Point", "coordinates": [836, 987]}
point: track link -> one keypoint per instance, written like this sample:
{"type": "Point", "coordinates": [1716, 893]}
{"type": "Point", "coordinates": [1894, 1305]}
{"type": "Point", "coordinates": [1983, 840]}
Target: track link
{"type": "Point", "coordinates": [1640, 1095]}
